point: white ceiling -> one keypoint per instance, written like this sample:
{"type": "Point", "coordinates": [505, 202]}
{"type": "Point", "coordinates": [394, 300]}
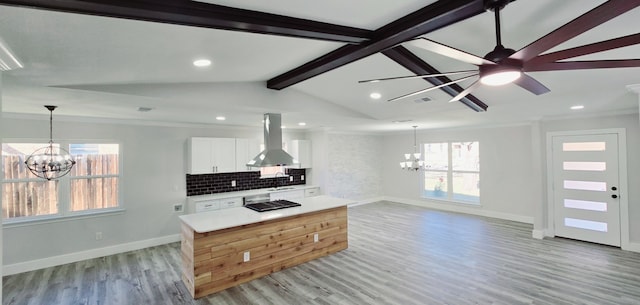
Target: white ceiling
{"type": "Point", "coordinates": [106, 68]}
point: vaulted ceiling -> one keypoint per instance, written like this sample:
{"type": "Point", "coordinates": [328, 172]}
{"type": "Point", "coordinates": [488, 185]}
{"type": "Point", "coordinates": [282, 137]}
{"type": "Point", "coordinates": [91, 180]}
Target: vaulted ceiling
{"type": "Point", "coordinates": [99, 59]}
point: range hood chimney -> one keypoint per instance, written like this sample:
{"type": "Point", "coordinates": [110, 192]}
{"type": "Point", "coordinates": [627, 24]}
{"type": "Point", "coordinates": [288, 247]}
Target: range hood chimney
{"type": "Point", "coordinates": [272, 155]}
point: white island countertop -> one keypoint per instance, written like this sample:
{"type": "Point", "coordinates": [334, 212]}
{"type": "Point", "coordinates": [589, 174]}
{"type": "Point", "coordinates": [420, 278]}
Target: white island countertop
{"type": "Point", "coordinates": [233, 217]}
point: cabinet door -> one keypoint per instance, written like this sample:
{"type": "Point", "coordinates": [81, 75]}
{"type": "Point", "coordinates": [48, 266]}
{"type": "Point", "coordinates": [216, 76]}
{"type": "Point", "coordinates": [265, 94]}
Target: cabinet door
{"type": "Point", "coordinates": [311, 192]}
{"type": "Point", "coordinates": [246, 149]}
{"type": "Point", "coordinates": [287, 195]}
{"type": "Point", "coordinates": [301, 151]}
{"type": "Point", "coordinates": [224, 155]}
{"type": "Point", "coordinates": [200, 156]}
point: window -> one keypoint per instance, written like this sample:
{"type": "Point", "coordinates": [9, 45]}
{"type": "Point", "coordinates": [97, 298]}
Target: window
{"type": "Point", "coordinates": [452, 171]}
{"type": "Point", "coordinates": [92, 186]}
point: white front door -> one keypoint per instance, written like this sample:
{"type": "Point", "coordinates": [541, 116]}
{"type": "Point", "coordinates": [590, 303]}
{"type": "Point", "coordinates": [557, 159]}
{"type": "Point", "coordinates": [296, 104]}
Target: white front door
{"type": "Point", "coordinates": [586, 187]}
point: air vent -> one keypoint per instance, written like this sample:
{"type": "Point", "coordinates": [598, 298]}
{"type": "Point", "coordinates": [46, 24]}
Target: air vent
{"type": "Point", "coordinates": [401, 121]}
{"type": "Point", "coordinates": [423, 100]}
{"type": "Point", "coordinates": [144, 109]}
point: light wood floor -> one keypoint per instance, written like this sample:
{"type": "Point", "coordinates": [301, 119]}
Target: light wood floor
{"type": "Point", "coordinates": [397, 254]}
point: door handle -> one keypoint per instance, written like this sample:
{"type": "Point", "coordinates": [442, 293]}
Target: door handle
{"type": "Point", "coordinates": [614, 196]}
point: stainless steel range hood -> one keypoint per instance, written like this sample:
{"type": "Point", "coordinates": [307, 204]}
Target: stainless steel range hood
{"type": "Point", "coordinates": [272, 155]}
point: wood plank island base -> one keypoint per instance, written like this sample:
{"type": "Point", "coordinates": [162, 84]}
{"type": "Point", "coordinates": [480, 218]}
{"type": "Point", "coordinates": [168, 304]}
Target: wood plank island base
{"type": "Point", "coordinates": [222, 249]}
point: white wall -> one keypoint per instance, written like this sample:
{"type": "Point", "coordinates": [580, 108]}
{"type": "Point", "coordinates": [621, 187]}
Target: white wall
{"type": "Point", "coordinates": [153, 179]}
{"type": "Point", "coordinates": [632, 125]}
{"type": "Point", "coordinates": [354, 168]}
{"type": "Point", "coordinates": [505, 166]}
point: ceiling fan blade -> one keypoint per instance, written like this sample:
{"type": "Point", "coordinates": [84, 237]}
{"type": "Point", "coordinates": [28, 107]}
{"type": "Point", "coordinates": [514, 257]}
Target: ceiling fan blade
{"type": "Point", "coordinates": [466, 91]}
{"type": "Point", "coordinates": [580, 65]}
{"type": "Point", "coordinates": [448, 51]}
{"type": "Point", "coordinates": [431, 88]}
{"type": "Point", "coordinates": [606, 45]}
{"type": "Point", "coordinates": [531, 84]}
{"type": "Point", "coordinates": [587, 21]}
{"type": "Point", "coordinates": [416, 76]}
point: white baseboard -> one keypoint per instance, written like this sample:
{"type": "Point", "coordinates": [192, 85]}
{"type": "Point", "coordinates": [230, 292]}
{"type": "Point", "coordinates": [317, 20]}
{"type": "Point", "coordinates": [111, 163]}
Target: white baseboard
{"type": "Point", "coordinates": [366, 201]}
{"type": "Point", "coordinates": [537, 234]}
{"type": "Point", "coordinates": [462, 209]}
{"type": "Point", "coordinates": [88, 254]}
{"type": "Point", "coordinates": [633, 247]}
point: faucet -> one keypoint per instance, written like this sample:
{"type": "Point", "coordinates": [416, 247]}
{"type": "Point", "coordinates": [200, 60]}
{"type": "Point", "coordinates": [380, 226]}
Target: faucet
{"type": "Point", "coordinates": [276, 178]}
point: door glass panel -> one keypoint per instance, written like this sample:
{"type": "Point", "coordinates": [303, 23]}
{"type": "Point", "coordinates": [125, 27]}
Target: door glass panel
{"type": "Point", "coordinates": [586, 224]}
{"type": "Point", "coordinates": [585, 205]}
{"type": "Point", "coordinates": [584, 166]}
{"type": "Point", "coordinates": [584, 146]}
{"type": "Point", "coordinates": [585, 185]}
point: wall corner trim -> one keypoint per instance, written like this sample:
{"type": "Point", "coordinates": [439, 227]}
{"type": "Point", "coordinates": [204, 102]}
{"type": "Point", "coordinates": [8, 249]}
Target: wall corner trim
{"type": "Point", "coordinates": [88, 254]}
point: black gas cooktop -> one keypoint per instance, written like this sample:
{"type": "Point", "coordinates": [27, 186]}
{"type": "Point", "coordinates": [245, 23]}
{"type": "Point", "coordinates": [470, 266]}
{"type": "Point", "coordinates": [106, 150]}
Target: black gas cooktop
{"type": "Point", "coordinates": [272, 205]}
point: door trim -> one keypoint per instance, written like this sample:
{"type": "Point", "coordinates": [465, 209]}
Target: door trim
{"type": "Point", "coordinates": [622, 172]}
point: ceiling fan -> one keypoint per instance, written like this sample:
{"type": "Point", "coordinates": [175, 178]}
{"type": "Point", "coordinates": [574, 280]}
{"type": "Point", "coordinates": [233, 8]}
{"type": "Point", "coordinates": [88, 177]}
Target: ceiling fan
{"type": "Point", "coordinates": [503, 65]}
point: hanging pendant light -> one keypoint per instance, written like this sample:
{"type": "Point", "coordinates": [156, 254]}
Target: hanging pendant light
{"type": "Point", "coordinates": [412, 161]}
{"type": "Point", "coordinates": [50, 162]}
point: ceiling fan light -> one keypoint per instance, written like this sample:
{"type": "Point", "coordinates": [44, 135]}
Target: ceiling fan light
{"type": "Point", "coordinates": [500, 78]}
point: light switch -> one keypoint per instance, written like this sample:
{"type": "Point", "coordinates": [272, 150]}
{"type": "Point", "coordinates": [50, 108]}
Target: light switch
{"type": "Point", "coordinates": [291, 178]}
{"type": "Point", "coordinates": [233, 183]}
{"type": "Point", "coordinates": [246, 257]}
{"type": "Point", "coordinates": [302, 177]}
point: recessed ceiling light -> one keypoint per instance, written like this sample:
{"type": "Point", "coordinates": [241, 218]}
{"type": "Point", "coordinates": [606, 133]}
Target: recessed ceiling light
{"type": "Point", "coordinates": [220, 118]}
{"type": "Point", "coordinates": [577, 107]}
{"type": "Point", "coordinates": [302, 124]}
{"type": "Point", "coordinates": [375, 95]}
{"type": "Point", "coordinates": [202, 63]}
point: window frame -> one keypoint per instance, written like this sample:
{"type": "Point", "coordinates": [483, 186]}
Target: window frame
{"type": "Point", "coordinates": [64, 185]}
{"type": "Point", "coordinates": [450, 173]}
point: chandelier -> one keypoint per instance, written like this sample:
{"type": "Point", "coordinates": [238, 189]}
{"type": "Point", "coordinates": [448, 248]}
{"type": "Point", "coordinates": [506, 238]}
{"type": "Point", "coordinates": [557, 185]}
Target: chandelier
{"type": "Point", "coordinates": [412, 160]}
{"type": "Point", "coordinates": [50, 162]}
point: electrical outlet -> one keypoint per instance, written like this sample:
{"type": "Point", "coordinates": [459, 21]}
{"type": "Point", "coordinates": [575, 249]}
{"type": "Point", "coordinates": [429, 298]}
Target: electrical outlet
{"type": "Point", "coordinates": [315, 237]}
{"type": "Point", "coordinates": [291, 178]}
{"type": "Point", "coordinates": [98, 235]}
{"type": "Point", "coordinates": [178, 207]}
{"type": "Point", "coordinates": [233, 183]}
{"type": "Point", "coordinates": [246, 257]}
{"type": "Point", "coordinates": [302, 177]}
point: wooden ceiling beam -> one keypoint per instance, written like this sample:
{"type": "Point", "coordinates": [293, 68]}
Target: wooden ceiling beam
{"type": "Point", "coordinates": [416, 65]}
{"type": "Point", "coordinates": [199, 14]}
{"type": "Point", "coordinates": [432, 17]}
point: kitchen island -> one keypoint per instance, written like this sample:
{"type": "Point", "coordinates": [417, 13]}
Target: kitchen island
{"type": "Point", "coordinates": [224, 248]}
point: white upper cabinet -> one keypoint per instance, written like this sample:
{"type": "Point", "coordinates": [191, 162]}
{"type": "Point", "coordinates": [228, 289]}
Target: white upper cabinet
{"type": "Point", "coordinates": [211, 155]}
{"type": "Point", "coordinates": [246, 149]}
{"type": "Point", "coordinates": [301, 151]}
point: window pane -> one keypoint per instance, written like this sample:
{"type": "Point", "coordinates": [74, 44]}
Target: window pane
{"type": "Point", "coordinates": [94, 193]}
{"type": "Point", "coordinates": [465, 156]}
{"type": "Point", "coordinates": [466, 187]}
{"type": "Point", "coordinates": [95, 159]}
{"type": "Point", "coordinates": [435, 185]}
{"type": "Point", "coordinates": [436, 156]}
{"type": "Point", "coordinates": [13, 157]}
{"type": "Point", "coordinates": [21, 199]}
